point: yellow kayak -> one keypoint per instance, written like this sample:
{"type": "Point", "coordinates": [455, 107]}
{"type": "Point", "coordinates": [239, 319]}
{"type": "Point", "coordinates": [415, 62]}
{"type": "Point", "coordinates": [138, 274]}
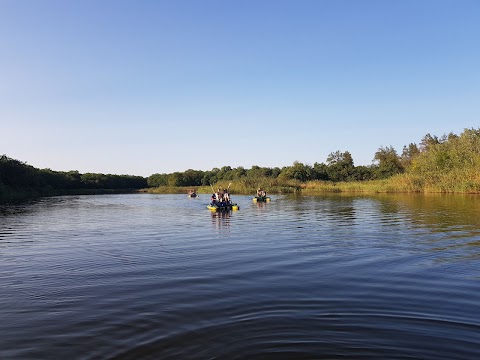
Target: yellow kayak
{"type": "Point", "coordinates": [261, 199]}
{"type": "Point", "coordinates": [228, 207]}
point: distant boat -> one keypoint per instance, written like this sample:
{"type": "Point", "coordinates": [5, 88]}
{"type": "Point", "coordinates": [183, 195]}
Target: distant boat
{"type": "Point", "coordinates": [261, 199]}
{"type": "Point", "coordinates": [192, 193]}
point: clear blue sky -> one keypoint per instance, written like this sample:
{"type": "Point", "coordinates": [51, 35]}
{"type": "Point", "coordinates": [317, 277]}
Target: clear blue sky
{"type": "Point", "coordinates": [140, 87]}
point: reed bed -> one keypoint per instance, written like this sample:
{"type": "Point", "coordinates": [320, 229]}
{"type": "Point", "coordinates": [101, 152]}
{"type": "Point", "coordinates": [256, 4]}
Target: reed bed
{"type": "Point", "coordinates": [455, 181]}
{"type": "Point", "coordinates": [466, 181]}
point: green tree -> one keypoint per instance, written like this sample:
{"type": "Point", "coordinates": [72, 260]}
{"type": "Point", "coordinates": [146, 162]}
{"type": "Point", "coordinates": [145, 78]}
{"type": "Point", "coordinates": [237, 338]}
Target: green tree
{"type": "Point", "coordinates": [428, 141]}
{"type": "Point", "coordinates": [276, 172]}
{"type": "Point", "coordinates": [297, 171]}
{"type": "Point", "coordinates": [209, 178]}
{"type": "Point", "coordinates": [175, 179]}
{"type": "Point", "coordinates": [192, 177]}
{"type": "Point", "coordinates": [340, 166]}
{"type": "Point", "coordinates": [320, 171]}
{"type": "Point", "coordinates": [408, 154]}
{"type": "Point", "coordinates": [363, 173]}
{"type": "Point", "coordinates": [156, 180]}
{"type": "Point", "coordinates": [388, 162]}
{"type": "Point", "coordinates": [258, 172]}
{"type": "Point", "coordinates": [238, 172]}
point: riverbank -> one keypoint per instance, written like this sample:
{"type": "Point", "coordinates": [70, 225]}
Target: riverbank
{"type": "Point", "coordinates": [450, 183]}
{"type": "Point", "coordinates": [240, 186]}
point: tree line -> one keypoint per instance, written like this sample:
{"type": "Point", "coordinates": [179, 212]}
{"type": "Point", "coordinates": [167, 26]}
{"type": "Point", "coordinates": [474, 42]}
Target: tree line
{"type": "Point", "coordinates": [433, 157]}
{"type": "Point", "coordinates": [15, 174]}
{"type": "Point", "coordinates": [432, 154]}
{"type": "Point", "coordinates": [339, 166]}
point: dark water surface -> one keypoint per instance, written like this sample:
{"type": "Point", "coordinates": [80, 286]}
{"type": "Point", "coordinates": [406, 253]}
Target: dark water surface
{"type": "Point", "coordinates": [160, 277]}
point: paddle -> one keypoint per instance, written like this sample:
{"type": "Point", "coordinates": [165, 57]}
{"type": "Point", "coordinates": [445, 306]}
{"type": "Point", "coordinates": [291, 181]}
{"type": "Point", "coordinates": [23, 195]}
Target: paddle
{"type": "Point", "coordinates": [213, 192]}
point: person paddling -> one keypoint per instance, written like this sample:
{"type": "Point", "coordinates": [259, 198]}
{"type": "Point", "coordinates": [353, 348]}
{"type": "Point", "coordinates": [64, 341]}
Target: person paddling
{"type": "Point", "coordinates": [226, 196]}
{"type": "Point", "coordinates": [261, 193]}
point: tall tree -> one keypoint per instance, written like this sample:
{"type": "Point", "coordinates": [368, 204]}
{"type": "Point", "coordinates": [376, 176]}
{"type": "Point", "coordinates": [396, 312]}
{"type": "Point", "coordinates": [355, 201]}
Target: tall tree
{"type": "Point", "coordinates": [388, 162]}
{"type": "Point", "coordinates": [340, 166]}
{"type": "Point", "coordinates": [408, 154]}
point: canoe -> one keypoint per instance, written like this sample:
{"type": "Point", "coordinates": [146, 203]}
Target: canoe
{"type": "Point", "coordinates": [228, 207]}
{"type": "Point", "coordinates": [261, 199]}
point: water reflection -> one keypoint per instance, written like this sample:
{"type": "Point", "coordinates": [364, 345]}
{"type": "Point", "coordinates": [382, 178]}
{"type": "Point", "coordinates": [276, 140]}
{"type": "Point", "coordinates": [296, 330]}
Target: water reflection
{"type": "Point", "coordinates": [146, 276]}
{"type": "Point", "coordinates": [436, 212]}
{"type": "Point", "coordinates": [260, 207]}
{"type": "Point", "coordinates": [446, 224]}
{"type": "Point", "coordinates": [221, 219]}
{"type": "Point", "coordinates": [13, 207]}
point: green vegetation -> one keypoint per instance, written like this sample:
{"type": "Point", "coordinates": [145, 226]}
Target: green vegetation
{"type": "Point", "coordinates": [449, 164]}
{"type": "Point", "coordinates": [17, 179]}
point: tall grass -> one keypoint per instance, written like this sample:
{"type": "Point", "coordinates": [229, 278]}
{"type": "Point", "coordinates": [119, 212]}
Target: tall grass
{"type": "Point", "coordinates": [239, 186]}
{"type": "Point", "coordinates": [467, 181]}
{"type": "Point", "coordinates": [455, 181]}
{"type": "Point", "coordinates": [373, 186]}
{"type": "Point", "coordinates": [272, 185]}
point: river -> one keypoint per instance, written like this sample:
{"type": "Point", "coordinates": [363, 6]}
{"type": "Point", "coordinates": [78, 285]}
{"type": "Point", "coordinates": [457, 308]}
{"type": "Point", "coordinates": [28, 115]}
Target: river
{"type": "Point", "coordinates": [146, 276]}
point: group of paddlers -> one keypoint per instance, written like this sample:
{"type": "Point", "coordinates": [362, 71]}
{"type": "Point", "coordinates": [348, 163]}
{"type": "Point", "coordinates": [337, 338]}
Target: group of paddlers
{"type": "Point", "coordinates": [220, 197]}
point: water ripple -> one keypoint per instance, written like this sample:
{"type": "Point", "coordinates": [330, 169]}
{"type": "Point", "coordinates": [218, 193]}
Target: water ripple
{"type": "Point", "coordinates": [158, 276]}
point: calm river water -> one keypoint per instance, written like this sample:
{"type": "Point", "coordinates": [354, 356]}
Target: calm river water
{"type": "Point", "coordinates": [148, 276]}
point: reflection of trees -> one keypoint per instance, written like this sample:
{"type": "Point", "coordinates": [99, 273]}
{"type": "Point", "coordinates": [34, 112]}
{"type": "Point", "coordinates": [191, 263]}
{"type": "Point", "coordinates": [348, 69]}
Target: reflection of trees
{"type": "Point", "coordinates": [437, 212]}
{"type": "Point", "coordinates": [451, 222]}
{"type": "Point", "coordinates": [260, 206]}
{"type": "Point", "coordinates": [16, 206]}
{"type": "Point", "coordinates": [327, 210]}
{"type": "Point", "coordinates": [448, 225]}
{"type": "Point", "coordinates": [14, 212]}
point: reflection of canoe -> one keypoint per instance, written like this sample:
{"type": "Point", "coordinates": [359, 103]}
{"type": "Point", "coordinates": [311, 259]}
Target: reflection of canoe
{"type": "Point", "coordinates": [261, 199]}
{"type": "Point", "coordinates": [217, 207]}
